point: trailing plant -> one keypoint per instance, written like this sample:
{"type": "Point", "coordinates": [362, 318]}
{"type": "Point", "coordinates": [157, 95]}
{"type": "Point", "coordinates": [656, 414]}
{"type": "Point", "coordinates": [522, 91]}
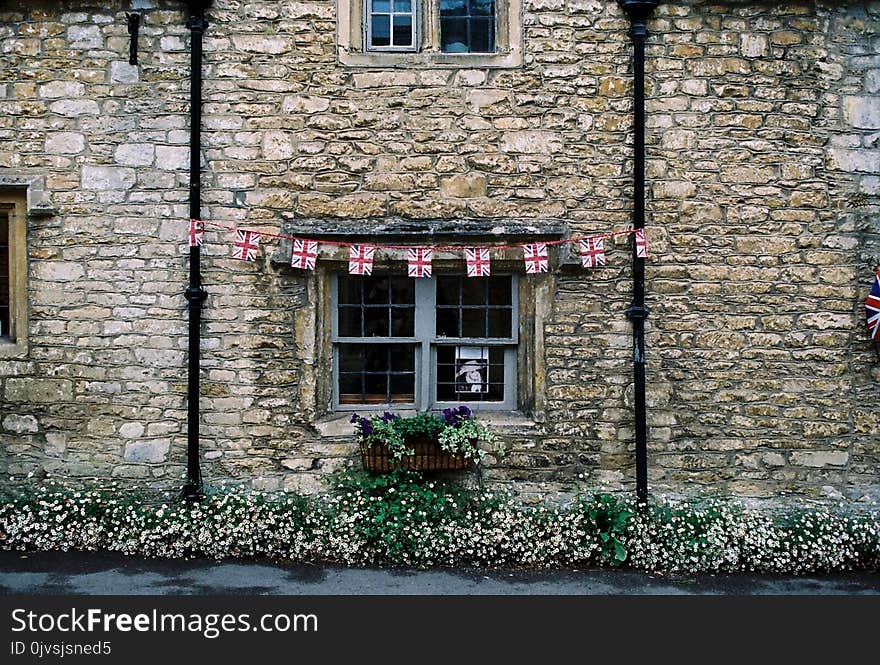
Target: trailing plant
{"type": "Point", "coordinates": [457, 431]}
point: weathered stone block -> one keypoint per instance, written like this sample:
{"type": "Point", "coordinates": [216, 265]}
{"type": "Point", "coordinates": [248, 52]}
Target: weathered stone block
{"type": "Point", "coordinates": [20, 424]}
{"type": "Point", "coordinates": [463, 186]}
{"type": "Point", "coordinates": [152, 452]}
{"type": "Point", "coordinates": [107, 177]}
{"type": "Point", "coordinates": [532, 142]}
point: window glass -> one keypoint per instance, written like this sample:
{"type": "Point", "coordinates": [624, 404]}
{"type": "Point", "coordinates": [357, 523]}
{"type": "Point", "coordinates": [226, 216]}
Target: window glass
{"type": "Point", "coordinates": [467, 26]}
{"type": "Point", "coordinates": [376, 373]}
{"type": "Point", "coordinates": [470, 374]}
{"type": "Point", "coordinates": [391, 24]}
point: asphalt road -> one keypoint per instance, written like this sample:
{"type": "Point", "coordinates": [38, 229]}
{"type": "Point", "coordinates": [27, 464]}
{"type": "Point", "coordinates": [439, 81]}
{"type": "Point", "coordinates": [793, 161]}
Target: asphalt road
{"type": "Point", "coordinates": [62, 573]}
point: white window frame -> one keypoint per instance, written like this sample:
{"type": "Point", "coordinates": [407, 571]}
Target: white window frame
{"type": "Point", "coordinates": [368, 28]}
{"type": "Point", "coordinates": [426, 342]}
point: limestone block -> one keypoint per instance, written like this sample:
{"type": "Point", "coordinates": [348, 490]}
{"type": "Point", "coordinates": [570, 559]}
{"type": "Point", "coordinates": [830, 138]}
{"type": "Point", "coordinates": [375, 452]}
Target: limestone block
{"type": "Point", "coordinates": [819, 458]}
{"type": "Point", "coordinates": [22, 389]}
{"type": "Point", "coordinates": [862, 112]}
{"type": "Point", "coordinates": [56, 89]}
{"type": "Point", "coordinates": [58, 271]}
{"type": "Point", "coordinates": [131, 430]}
{"type": "Point", "coordinates": [867, 161]}
{"type": "Point", "coordinates": [72, 108]}
{"type": "Point", "coordinates": [152, 452]}
{"type": "Point", "coordinates": [135, 154]}
{"type": "Point", "coordinates": [532, 142]}
{"type": "Point", "coordinates": [753, 45]}
{"type": "Point", "coordinates": [274, 45]}
{"type": "Point", "coordinates": [463, 186]}
{"type": "Point", "coordinates": [20, 424]}
{"type": "Point", "coordinates": [84, 37]}
{"type": "Point", "coordinates": [172, 157]}
{"type": "Point", "coordinates": [65, 143]}
{"type": "Point", "coordinates": [278, 145]}
{"type": "Point", "coordinates": [305, 104]}
{"type": "Point", "coordinates": [122, 72]}
{"type": "Point", "coordinates": [107, 177]}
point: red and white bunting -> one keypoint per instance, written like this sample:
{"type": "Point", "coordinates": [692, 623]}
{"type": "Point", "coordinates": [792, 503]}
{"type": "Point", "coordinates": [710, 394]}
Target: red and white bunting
{"type": "Point", "coordinates": [360, 259]}
{"type": "Point", "coordinates": [304, 255]}
{"type": "Point", "coordinates": [641, 244]}
{"type": "Point", "coordinates": [419, 261]}
{"type": "Point", "coordinates": [196, 231]}
{"type": "Point", "coordinates": [477, 260]}
{"type": "Point", "coordinates": [246, 246]}
{"type": "Point", "coordinates": [535, 257]}
{"type": "Point", "coordinates": [592, 252]}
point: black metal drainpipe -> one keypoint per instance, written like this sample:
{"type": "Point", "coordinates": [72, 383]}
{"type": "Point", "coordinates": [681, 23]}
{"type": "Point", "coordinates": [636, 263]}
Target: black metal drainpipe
{"type": "Point", "coordinates": [638, 12]}
{"type": "Point", "coordinates": [195, 295]}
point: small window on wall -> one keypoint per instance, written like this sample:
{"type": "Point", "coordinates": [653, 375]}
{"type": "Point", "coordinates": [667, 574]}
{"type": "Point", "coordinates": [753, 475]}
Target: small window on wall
{"type": "Point", "coordinates": [467, 26]}
{"type": "Point", "coordinates": [13, 265]}
{"type": "Point", "coordinates": [391, 25]}
{"type": "Point", "coordinates": [424, 343]}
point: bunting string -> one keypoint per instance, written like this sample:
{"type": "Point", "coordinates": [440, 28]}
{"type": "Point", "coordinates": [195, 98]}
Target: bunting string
{"type": "Point", "coordinates": [305, 250]}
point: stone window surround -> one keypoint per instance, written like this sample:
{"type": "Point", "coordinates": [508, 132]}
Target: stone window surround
{"type": "Point", "coordinates": [351, 51]}
{"type": "Point", "coordinates": [26, 196]}
{"type": "Point", "coordinates": [312, 323]}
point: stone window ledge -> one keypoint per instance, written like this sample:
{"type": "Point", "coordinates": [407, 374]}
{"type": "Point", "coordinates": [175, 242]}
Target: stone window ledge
{"type": "Point", "coordinates": [503, 423]}
{"type": "Point", "coordinates": [509, 60]}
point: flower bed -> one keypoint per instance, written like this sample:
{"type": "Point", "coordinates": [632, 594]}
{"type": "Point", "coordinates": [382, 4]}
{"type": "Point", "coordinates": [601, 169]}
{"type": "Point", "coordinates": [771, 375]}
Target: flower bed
{"type": "Point", "coordinates": [403, 519]}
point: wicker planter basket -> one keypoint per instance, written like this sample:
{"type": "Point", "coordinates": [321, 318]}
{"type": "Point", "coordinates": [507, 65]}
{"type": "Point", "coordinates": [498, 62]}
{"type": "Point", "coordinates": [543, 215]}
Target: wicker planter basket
{"type": "Point", "coordinates": [428, 456]}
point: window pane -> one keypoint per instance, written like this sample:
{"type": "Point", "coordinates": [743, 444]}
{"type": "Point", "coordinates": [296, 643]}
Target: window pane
{"type": "Point", "coordinates": [403, 321]}
{"type": "Point", "coordinates": [376, 373]}
{"type": "Point", "coordinates": [376, 322]}
{"type": "Point", "coordinates": [447, 290]}
{"type": "Point", "coordinates": [473, 292]}
{"type": "Point", "coordinates": [453, 35]}
{"type": "Point", "coordinates": [470, 374]}
{"type": "Point", "coordinates": [350, 322]}
{"type": "Point", "coordinates": [500, 291]}
{"type": "Point", "coordinates": [482, 7]}
{"type": "Point", "coordinates": [453, 8]}
{"type": "Point", "coordinates": [376, 290]}
{"type": "Point", "coordinates": [473, 323]}
{"type": "Point", "coordinates": [500, 323]}
{"type": "Point", "coordinates": [381, 31]}
{"type": "Point", "coordinates": [482, 35]}
{"type": "Point", "coordinates": [447, 322]}
{"type": "Point", "coordinates": [403, 6]}
{"type": "Point", "coordinates": [349, 290]}
{"type": "Point", "coordinates": [381, 6]}
{"type": "Point", "coordinates": [403, 291]}
{"type": "Point", "coordinates": [403, 30]}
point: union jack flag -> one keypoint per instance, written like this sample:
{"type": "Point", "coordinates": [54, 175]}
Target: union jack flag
{"type": "Point", "coordinates": [304, 255]}
{"type": "Point", "coordinates": [196, 229]}
{"type": "Point", "coordinates": [360, 259]}
{"type": "Point", "coordinates": [641, 244]}
{"type": "Point", "coordinates": [592, 252]}
{"type": "Point", "coordinates": [872, 308]}
{"type": "Point", "coordinates": [535, 257]}
{"type": "Point", "coordinates": [246, 245]}
{"type": "Point", "coordinates": [419, 262]}
{"type": "Point", "coordinates": [478, 263]}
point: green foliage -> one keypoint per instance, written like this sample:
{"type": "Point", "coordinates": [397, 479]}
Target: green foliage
{"type": "Point", "coordinates": [403, 518]}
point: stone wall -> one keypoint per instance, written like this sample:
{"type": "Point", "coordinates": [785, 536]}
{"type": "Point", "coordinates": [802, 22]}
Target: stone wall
{"type": "Point", "coordinates": [763, 175]}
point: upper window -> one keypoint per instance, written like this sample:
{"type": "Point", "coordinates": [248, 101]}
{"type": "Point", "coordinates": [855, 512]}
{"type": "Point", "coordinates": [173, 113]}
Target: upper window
{"type": "Point", "coordinates": [437, 33]}
{"type": "Point", "coordinates": [425, 343]}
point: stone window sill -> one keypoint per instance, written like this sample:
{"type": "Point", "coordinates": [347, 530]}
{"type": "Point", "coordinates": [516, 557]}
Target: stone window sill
{"type": "Point", "coordinates": [503, 423]}
{"type": "Point", "coordinates": [506, 60]}
{"type": "Point", "coordinates": [10, 349]}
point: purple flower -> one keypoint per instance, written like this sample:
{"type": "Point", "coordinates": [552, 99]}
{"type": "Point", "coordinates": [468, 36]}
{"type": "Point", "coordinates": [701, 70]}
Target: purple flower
{"type": "Point", "coordinates": [355, 418]}
{"type": "Point", "coordinates": [387, 417]}
{"type": "Point", "coordinates": [464, 412]}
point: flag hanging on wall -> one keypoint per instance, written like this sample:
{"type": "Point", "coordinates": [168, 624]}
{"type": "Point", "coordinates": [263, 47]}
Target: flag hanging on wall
{"type": "Point", "coordinates": [535, 257]}
{"type": "Point", "coordinates": [872, 309]}
{"type": "Point", "coordinates": [419, 262]}
{"type": "Point", "coordinates": [196, 229]}
{"type": "Point", "coordinates": [641, 244]}
{"type": "Point", "coordinates": [304, 255]}
{"type": "Point", "coordinates": [246, 246]}
{"type": "Point", "coordinates": [478, 263]}
{"type": "Point", "coordinates": [360, 259]}
{"type": "Point", "coordinates": [592, 252]}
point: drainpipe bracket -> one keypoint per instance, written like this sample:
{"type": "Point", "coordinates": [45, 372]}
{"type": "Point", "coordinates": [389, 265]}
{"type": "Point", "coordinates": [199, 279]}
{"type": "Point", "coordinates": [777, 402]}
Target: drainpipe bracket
{"type": "Point", "coordinates": [636, 312]}
{"type": "Point", "coordinates": [195, 296]}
